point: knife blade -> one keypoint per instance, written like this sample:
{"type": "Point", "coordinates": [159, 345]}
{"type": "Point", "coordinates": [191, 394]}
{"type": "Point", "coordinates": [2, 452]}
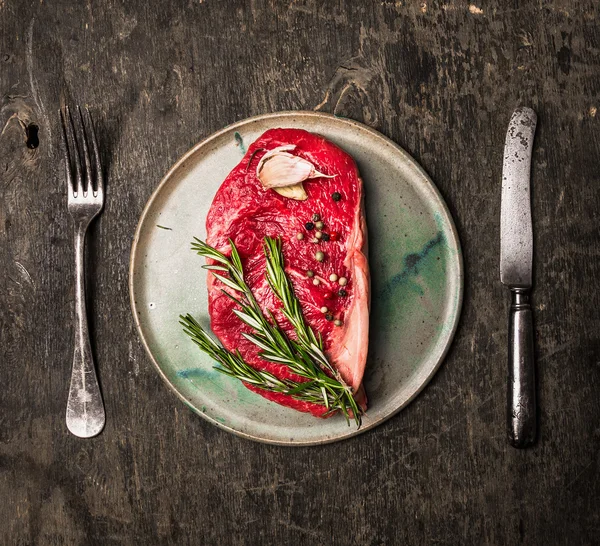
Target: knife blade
{"type": "Point", "coordinates": [516, 263]}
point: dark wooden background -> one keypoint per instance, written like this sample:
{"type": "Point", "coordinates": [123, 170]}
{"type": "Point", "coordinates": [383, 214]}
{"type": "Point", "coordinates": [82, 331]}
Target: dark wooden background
{"type": "Point", "coordinates": [439, 79]}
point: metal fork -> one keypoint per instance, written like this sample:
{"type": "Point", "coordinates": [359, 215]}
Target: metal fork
{"type": "Point", "coordinates": [85, 409]}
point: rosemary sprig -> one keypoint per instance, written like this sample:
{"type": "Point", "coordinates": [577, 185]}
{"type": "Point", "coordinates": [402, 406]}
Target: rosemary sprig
{"type": "Point", "coordinates": [304, 356]}
{"type": "Point", "coordinates": [281, 285]}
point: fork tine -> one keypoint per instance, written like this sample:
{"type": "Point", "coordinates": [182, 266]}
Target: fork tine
{"type": "Point", "coordinates": [73, 140]}
{"type": "Point", "coordinates": [99, 175]}
{"type": "Point", "coordinates": [63, 133]}
{"type": "Point", "coordinates": [86, 153]}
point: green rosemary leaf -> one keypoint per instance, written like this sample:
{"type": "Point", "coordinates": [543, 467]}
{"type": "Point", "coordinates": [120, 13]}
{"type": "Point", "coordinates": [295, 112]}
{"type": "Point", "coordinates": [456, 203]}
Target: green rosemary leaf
{"type": "Point", "coordinates": [301, 387]}
{"type": "Point", "coordinates": [257, 341]}
{"type": "Point", "coordinates": [228, 282]}
{"type": "Point", "coordinates": [325, 397]}
{"type": "Point", "coordinates": [215, 268]}
{"type": "Point", "coordinates": [235, 256]}
{"type": "Point", "coordinates": [246, 318]}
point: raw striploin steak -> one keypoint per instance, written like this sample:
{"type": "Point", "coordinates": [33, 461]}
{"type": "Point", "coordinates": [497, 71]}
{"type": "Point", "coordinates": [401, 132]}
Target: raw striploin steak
{"type": "Point", "coordinates": [245, 211]}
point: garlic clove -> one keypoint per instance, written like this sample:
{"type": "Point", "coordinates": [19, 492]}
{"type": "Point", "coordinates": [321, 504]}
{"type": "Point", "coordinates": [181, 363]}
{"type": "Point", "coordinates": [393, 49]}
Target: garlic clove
{"type": "Point", "coordinates": [283, 169]}
{"type": "Point", "coordinates": [285, 172]}
{"type": "Point", "coordinates": [269, 155]}
{"type": "Point", "coordinates": [296, 192]}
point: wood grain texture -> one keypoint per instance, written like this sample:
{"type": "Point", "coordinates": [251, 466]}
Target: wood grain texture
{"type": "Point", "coordinates": [439, 79]}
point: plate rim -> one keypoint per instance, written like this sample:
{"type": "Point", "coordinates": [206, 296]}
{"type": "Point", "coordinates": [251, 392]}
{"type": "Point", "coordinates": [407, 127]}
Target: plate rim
{"type": "Point", "coordinates": [285, 114]}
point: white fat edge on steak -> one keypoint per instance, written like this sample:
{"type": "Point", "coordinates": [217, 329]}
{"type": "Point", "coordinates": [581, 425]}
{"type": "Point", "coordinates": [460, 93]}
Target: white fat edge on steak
{"type": "Point", "coordinates": [351, 341]}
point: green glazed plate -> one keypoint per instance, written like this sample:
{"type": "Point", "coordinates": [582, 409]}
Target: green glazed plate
{"type": "Point", "coordinates": [416, 289]}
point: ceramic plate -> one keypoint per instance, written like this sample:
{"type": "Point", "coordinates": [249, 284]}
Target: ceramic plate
{"type": "Point", "coordinates": [416, 269]}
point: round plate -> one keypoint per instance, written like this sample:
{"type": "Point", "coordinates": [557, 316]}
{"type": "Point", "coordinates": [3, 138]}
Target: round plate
{"type": "Point", "coordinates": [416, 290]}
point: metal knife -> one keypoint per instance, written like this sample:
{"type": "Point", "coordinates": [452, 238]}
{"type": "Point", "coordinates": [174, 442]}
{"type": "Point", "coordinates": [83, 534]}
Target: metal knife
{"type": "Point", "coordinates": [516, 260]}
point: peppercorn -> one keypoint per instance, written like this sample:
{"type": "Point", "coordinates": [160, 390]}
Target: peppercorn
{"type": "Point", "coordinates": [333, 277]}
{"type": "Point", "coordinates": [316, 282]}
{"type": "Point", "coordinates": [316, 217]}
{"type": "Point", "coordinates": [329, 316]}
{"type": "Point", "coordinates": [328, 295]}
{"type": "Point", "coordinates": [318, 234]}
{"type": "Point", "coordinates": [342, 293]}
{"type": "Point", "coordinates": [299, 236]}
{"type": "Point", "coordinates": [338, 322]}
{"type": "Point", "coordinates": [336, 196]}
{"type": "Point", "coordinates": [319, 225]}
{"type": "Point", "coordinates": [310, 273]}
{"type": "Point", "coordinates": [309, 226]}
{"type": "Point", "coordinates": [343, 281]}
{"type": "Point", "coordinates": [334, 235]}
{"type": "Point", "coordinates": [320, 256]}
{"type": "Point", "coordinates": [325, 237]}
{"type": "Point", "coordinates": [324, 310]}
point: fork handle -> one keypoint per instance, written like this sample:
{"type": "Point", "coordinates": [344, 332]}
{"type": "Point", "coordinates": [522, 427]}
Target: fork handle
{"type": "Point", "coordinates": [85, 409]}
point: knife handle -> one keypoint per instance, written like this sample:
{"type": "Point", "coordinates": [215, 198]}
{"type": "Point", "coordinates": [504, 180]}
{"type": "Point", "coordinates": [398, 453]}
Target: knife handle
{"type": "Point", "coordinates": [521, 372]}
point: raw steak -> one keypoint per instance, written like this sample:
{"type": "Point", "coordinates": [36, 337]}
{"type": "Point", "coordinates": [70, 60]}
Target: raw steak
{"type": "Point", "coordinates": [246, 212]}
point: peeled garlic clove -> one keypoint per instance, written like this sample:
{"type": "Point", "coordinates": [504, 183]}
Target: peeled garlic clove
{"type": "Point", "coordinates": [296, 192]}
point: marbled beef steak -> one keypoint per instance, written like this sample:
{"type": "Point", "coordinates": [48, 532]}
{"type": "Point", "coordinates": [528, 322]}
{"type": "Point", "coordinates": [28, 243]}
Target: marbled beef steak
{"type": "Point", "coordinates": [324, 244]}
